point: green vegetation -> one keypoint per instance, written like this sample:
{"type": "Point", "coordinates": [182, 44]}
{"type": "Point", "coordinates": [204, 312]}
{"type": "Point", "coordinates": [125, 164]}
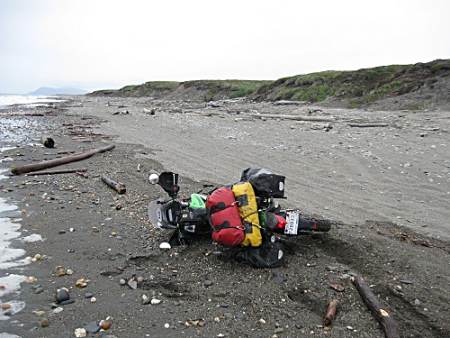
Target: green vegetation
{"type": "Point", "coordinates": [351, 88]}
{"type": "Point", "coordinates": [206, 90]}
{"type": "Point", "coordinates": [357, 88]}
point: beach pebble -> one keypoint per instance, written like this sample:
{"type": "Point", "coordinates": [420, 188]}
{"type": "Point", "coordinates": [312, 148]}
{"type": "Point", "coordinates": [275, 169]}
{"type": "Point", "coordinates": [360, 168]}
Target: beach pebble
{"type": "Point", "coordinates": [58, 310]}
{"type": "Point", "coordinates": [88, 295]}
{"type": "Point", "coordinates": [5, 306]}
{"type": "Point", "coordinates": [30, 279]}
{"type": "Point", "coordinates": [67, 302]}
{"type": "Point", "coordinates": [39, 313]}
{"type": "Point", "coordinates": [132, 283]}
{"type": "Point", "coordinates": [60, 271]}
{"type": "Point", "coordinates": [145, 300]}
{"type": "Point", "coordinates": [80, 333]}
{"type": "Point", "coordinates": [166, 325]}
{"type": "Point", "coordinates": [92, 327]}
{"type": "Point", "coordinates": [93, 299]}
{"type": "Point", "coordinates": [62, 295]}
{"type": "Point", "coordinates": [122, 281]}
{"type": "Point", "coordinates": [105, 324]}
{"type": "Point", "coordinates": [44, 322]}
{"type": "Point", "coordinates": [164, 246]}
{"type": "Point", "coordinates": [82, 282]}
{"type": "Point", "coordinates": [155, 301]}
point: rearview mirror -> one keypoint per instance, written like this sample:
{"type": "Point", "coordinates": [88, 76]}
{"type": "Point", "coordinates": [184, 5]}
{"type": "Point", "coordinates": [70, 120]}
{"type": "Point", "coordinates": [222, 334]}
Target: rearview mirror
{"type": "Point", "coordinates": [169, 182]}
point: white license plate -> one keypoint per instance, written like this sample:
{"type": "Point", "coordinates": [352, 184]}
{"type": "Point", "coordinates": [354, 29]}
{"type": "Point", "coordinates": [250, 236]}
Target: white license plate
{"type": "Point", "coordinates": [291, 227]}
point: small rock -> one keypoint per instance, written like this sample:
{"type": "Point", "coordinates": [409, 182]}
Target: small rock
{"type": "Point", "coordinates": [279, 330]}
{"type": "Point", "coordinates": [62, 295]}
{"type": "Point", "coordinates": [207, 283]}
{"type": "Point", "coordinates": [30, 279]}
{"type": "Point", "coordinates": [80, 333]}
{"type": "Point", "coordinates": [417, 302]}
{"type": "Point", "coordinates": [67, 302]}
{"type": "Point", "coordinates": [145, 300]}
{"type": "Point", "coordinates": [262, 321]}
{"type": "Point", "coordinates": [105, 324]}
{"type": "Point", "coordinates": [337, 287]}
{"type": "Point", "coordinates": [165, 246]}
{"type": "Point", "coordinates": [44, 322]}
{"type": "Point", "coordinates": [39, 313]}
{"type": "Point", "coordinates": [60, 271]}
{"type": "Point", "coordinates": [349, 327]}
{"type": "Point", "coordinates": [132, 283]}
{"type": "Point", "coordinates": [166, 325]}
{"type": "Point", "coordinates": [69, 272]}
{"type": "Point", "coordinates": [155, 301]}
{"type": "Point", "coordinates": [5, 306]}
{"type": "Point", "coordinates": [57, 310]}
{"type": "Point", "coordinates": [122, 281]}
{"type": "Point", "coordinates": [92, 327]}
{"type": "Point", "coordinates": [93, 299]}
{"type": "Point", "coordinates": [38, 290]}
{"type": "Point", "coordinates": [88, 295]}
{"type": "Point", "coordinates": [37, 257]}
{"type": "Point", "coordinates": [82, 282]}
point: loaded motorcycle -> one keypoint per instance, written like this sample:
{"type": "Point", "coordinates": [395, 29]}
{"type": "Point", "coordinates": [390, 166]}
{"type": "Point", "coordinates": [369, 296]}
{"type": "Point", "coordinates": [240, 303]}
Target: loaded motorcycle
{"type": "Point", "coordinates": [193, 217]}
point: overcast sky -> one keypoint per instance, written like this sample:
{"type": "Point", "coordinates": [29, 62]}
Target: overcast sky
{"type": "Point", "coordinates": [106, 44]}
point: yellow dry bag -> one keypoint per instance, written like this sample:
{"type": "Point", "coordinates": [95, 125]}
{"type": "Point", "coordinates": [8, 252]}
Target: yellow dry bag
{"type": "Point", "coordinates": [248, 210]}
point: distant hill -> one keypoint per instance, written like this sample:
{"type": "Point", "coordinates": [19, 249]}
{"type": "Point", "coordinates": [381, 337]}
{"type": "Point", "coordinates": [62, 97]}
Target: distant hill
{"type": "Point", "coordinates": [397, 86]}
{"type": "Point", "coordinates": [49, 91]}
{"type": "Point", "coordinates": [417, 86]}
{"type": "Point", "coordinates": [203, 90]}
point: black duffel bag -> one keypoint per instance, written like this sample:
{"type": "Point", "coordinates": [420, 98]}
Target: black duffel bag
{"type": "Point", "coordinates": [264, 182]}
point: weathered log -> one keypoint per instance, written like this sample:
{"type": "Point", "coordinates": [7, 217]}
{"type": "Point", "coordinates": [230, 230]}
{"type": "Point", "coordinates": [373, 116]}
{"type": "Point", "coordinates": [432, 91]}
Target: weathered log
{"type": "Point", "coordinates": [57, 172]}
{"type": "Point", "coordinates": [48, 142]}
{"type": "Point", "coordinates": [295, 117]}
{"type": "Point", "coordinates": [117, 186]}
{"type": "Point", "coordinates": [380, 313]}
{"type": "Point", "coordinates": [27, 168]}
{"type": "Point", "coordinates": [330, 314]}
{"type": "Point", "coordinates": [368, 125]}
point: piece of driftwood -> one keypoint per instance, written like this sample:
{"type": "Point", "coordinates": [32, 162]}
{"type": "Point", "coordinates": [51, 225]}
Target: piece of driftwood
{"type": "Point", "coordinates": [330, 314]}
{"type": "Point", "coordinates": [368, 125]}
{"type": "Point", "coordinates": [117, 186]}
{"type": "Point", "coordinates": [381, 314]}
{"type": "Point", "coordinates": [27, 168]}
{"type": "Point", "coordinates": [295, 117]}
{"type": "Point", "coordinates": [57, 172]}
{"type": "Point", "coordinates": [48, 142]}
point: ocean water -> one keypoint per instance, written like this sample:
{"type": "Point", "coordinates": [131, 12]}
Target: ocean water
{"type": "Point", "coordinates": [14, 132]}
{"type": "Point", "coordinates": [28, 100]}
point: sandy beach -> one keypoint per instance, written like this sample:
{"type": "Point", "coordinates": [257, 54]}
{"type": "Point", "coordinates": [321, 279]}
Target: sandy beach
{"type": "Point", "coordinates": [386, 187]}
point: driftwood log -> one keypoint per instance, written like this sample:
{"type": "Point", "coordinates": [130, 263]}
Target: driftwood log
{"type": "Point", "coordinates": [368, 125]}
{"type": "Point", "coordinates": [27, 168]}
{"type": "Point", "coordinates": [117, 186]}
{"type": "Point", "coordinates": [57, 172]}
{"type": "Point", "coordinates": [381, 314]}
{"type": "Point", "coordinates": [48, 142]}
{"type": "Point", "coordinates": [295, 117]}
{"type": "Point", "coordinates": [330, 314]}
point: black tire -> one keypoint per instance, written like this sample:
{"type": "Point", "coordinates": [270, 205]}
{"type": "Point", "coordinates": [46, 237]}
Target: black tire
{"type": "Point", "coordinates": [313, 224]}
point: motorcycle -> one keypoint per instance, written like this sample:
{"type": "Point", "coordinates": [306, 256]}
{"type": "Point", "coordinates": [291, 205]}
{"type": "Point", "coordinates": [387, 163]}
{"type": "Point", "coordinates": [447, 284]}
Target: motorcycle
{"type": "Point", "coordinates": [189, 218]}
